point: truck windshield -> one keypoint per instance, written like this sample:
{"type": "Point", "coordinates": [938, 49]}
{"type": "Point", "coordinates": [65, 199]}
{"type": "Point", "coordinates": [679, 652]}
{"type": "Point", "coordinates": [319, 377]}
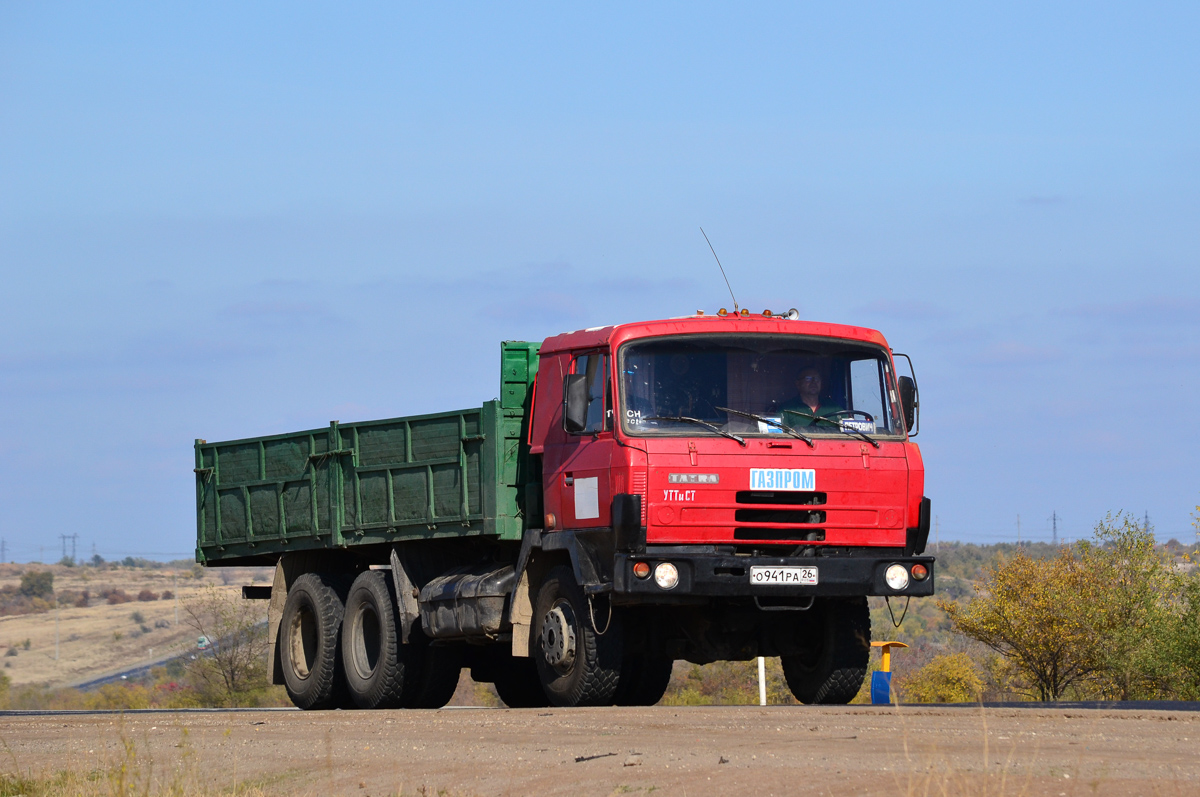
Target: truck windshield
{"type": "Point", "coordinates": [819, 387]}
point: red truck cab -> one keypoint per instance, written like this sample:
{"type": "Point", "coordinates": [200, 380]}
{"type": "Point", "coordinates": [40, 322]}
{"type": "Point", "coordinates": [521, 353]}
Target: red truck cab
{"type": "Point", "coordinates": [739, 437]}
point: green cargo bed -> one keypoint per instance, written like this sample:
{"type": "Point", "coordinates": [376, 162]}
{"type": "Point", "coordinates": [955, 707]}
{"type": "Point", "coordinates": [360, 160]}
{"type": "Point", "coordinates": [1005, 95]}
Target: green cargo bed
{"type": "Point", "coordinates": [451, 474]}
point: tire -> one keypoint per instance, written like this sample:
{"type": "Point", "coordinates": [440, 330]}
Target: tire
{"type": "Point", "coordinates": [309, 634]}
{"type": "Point", "coordinates": [576, 665]}
{"type": "Point", "coordinates": [519, 685]}
{"type": "Point", "coordinates": [644, 680]}
{"type": "Point", "coordinates": [372, 659]}
{"type": "Point", "coordinates": [433, 673]}
{"type": "Point", "coordinates": [832, 669]}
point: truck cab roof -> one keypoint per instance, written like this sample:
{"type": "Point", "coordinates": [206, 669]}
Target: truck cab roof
{"type": "Point", "coordinates": [617, 334]}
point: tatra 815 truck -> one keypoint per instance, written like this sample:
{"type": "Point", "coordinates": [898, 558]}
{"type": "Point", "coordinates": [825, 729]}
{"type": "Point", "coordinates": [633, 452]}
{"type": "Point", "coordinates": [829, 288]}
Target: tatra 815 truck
{"type": "Point", "coordinates": [715, 487]}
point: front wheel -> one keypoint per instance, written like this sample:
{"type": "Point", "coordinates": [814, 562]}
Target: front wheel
{"type": "Point", "coordinates": [837, 641]}
{"type": "Point", "coordinates": [577, 665]}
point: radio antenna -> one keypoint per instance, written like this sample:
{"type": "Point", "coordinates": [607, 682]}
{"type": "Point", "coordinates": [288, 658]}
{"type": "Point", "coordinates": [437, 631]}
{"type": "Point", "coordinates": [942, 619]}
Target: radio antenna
{"type": "Point", "coordinates": [714, 251]}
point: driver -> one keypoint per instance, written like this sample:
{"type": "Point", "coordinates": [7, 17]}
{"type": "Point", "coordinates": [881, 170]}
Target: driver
{"type": "Point", "coordinates": [803, 408]}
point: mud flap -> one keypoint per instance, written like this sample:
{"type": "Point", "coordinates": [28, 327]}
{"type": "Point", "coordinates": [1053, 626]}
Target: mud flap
{"type": "Point", "coordinates": [522, 616]}
{"type": "Point", "coordinates": [405, 599]}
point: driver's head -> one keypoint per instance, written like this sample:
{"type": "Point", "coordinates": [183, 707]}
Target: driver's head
{"type": "Point", "coordinates": [809, 381]}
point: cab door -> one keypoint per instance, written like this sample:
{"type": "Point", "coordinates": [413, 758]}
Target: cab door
{"type": "Point", "coordinates": [578, 464]}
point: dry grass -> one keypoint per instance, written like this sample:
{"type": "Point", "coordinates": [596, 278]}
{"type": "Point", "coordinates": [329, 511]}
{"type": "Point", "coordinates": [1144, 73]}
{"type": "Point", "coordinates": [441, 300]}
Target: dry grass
{"type": "Point", "coordinates": [101, 638]}
{"type": "Point", "coordinates": [133, 771]}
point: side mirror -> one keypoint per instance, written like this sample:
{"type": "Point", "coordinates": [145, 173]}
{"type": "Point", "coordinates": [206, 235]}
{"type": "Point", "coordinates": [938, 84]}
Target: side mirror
{"type": "Point", "coordinates": [575, 403]}
{"type": "Point", "coordinates": [909, 402]}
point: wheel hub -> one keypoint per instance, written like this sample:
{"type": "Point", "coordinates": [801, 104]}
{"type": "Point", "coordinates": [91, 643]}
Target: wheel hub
{"type": "Point", "coordinates": [558, 637]}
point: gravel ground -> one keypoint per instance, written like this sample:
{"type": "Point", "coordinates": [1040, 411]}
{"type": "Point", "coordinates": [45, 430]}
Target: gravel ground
{"type": "Point", "coordinates": [697, 751]}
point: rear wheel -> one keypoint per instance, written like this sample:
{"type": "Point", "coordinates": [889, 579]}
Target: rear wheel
{"type": "Point", "coordinates": [372, 657]}
{"type": "Point", "coordinates": [644, 680]}
{"type": "Point", "coordinates": [518, 684]}
{"type": "Point", "coordinates": [830, 671]}
{"type": "Point", "coordinates": [577, 665]}
{"type": "Point", "coordinates": [432, 678]}
{"type": "Point", "coordinates": [308, 643]}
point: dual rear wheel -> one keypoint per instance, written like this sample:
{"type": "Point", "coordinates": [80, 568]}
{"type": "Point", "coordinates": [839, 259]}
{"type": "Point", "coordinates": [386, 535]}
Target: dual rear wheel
{"type": "Point", "coordinates": [340, 648]}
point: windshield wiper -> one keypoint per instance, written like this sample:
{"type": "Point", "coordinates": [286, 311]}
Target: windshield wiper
{"type": "Point", "coordinates": [770, 422]}
{"type": "Point", "coordinates": [705, 424]}
{"type": "Point", "coordinates": [829, 419]}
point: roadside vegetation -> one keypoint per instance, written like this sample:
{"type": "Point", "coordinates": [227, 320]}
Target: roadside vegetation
{"type": "Point", "coordinates": [36, 592]}
{"type": "Point", "coordinates": [1111, 618]}
{"type": "Point", "coordinates": [1115, 617]}
{"type": "Point", "coordinates": [230, 671]}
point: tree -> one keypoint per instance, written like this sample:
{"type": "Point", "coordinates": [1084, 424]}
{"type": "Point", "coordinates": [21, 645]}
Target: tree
{"type": "Point", "coordinates": [234, 666]}
{"type": "Point", "coordinates": [1135, 598]}
{"type": "Point", "coordinates": [1097, 618]}
{"type": "Point", "coordinates": [1029, 611]}
{"type": "Point", "coordinates": [1181, 643]}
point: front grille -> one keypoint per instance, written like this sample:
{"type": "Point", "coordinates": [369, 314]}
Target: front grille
{"type": "Point", "coordinates": [778, 516]}
{"type": "Point", "coordinates": [796, 535]}
{"type": "Point", "coordinates": [780, 497]}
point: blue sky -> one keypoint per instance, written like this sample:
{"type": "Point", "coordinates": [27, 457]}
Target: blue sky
{"type": "Point", "coordinates": [227, 221]}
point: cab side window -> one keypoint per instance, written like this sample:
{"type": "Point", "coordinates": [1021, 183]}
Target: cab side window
{"type": "Point", "coordinates": [595, 366]}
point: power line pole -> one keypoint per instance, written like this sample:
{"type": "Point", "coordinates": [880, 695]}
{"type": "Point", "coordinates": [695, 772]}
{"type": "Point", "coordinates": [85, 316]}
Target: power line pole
{"type": "Point", "coordinates": [1018, 531]}
{"type": "Point", "coordinates": [74, 539]}
{"type": "Point", "coordinates": [1054, 527]}
{"type": "Point", "coordinates": [1146, 521]}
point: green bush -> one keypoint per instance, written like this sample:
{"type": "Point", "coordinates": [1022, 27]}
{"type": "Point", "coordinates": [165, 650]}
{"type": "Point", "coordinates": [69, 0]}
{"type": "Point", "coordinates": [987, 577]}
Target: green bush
{"type": "Point", "coordinates": [37, 584]}
{"type": "Point", "coordinates": [950, 678]}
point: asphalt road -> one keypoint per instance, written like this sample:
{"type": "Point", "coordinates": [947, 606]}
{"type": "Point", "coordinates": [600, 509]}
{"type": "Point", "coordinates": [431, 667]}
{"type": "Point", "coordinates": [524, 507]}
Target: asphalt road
{"type": "Point", "coordinates": [668, 750]}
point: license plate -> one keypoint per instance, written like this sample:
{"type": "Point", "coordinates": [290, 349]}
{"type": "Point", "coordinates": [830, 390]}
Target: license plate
{"type": "Point", "coordinates": [783, 576]}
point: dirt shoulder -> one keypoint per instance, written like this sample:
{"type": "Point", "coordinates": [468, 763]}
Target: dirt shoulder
{"type": "Point", "coordinates": [774, 750]}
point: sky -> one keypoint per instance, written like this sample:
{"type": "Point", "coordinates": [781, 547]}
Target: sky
{"type": "Point", "coordinates": [227, 220]}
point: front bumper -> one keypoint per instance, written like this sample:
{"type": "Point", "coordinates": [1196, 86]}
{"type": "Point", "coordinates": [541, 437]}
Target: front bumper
{"type": "Point", "coordinates": [726, 575]}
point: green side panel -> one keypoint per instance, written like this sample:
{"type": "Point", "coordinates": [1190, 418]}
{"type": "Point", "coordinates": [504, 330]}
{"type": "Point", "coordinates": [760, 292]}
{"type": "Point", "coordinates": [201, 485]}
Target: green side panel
{"type": "Point", "coordinates": [450, 474]}
{"type": "Point", "coordinates": [519, 505]}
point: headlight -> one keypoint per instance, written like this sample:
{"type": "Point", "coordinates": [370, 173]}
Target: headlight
{"type": "Point", "coordinates": [897, 577]}
{"type": "Point", "coordinates": [919, 572]}
{"type": "Point", "coordinates": [641, 569]}
{"type": "Point", "coordinates": [666, 575]}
